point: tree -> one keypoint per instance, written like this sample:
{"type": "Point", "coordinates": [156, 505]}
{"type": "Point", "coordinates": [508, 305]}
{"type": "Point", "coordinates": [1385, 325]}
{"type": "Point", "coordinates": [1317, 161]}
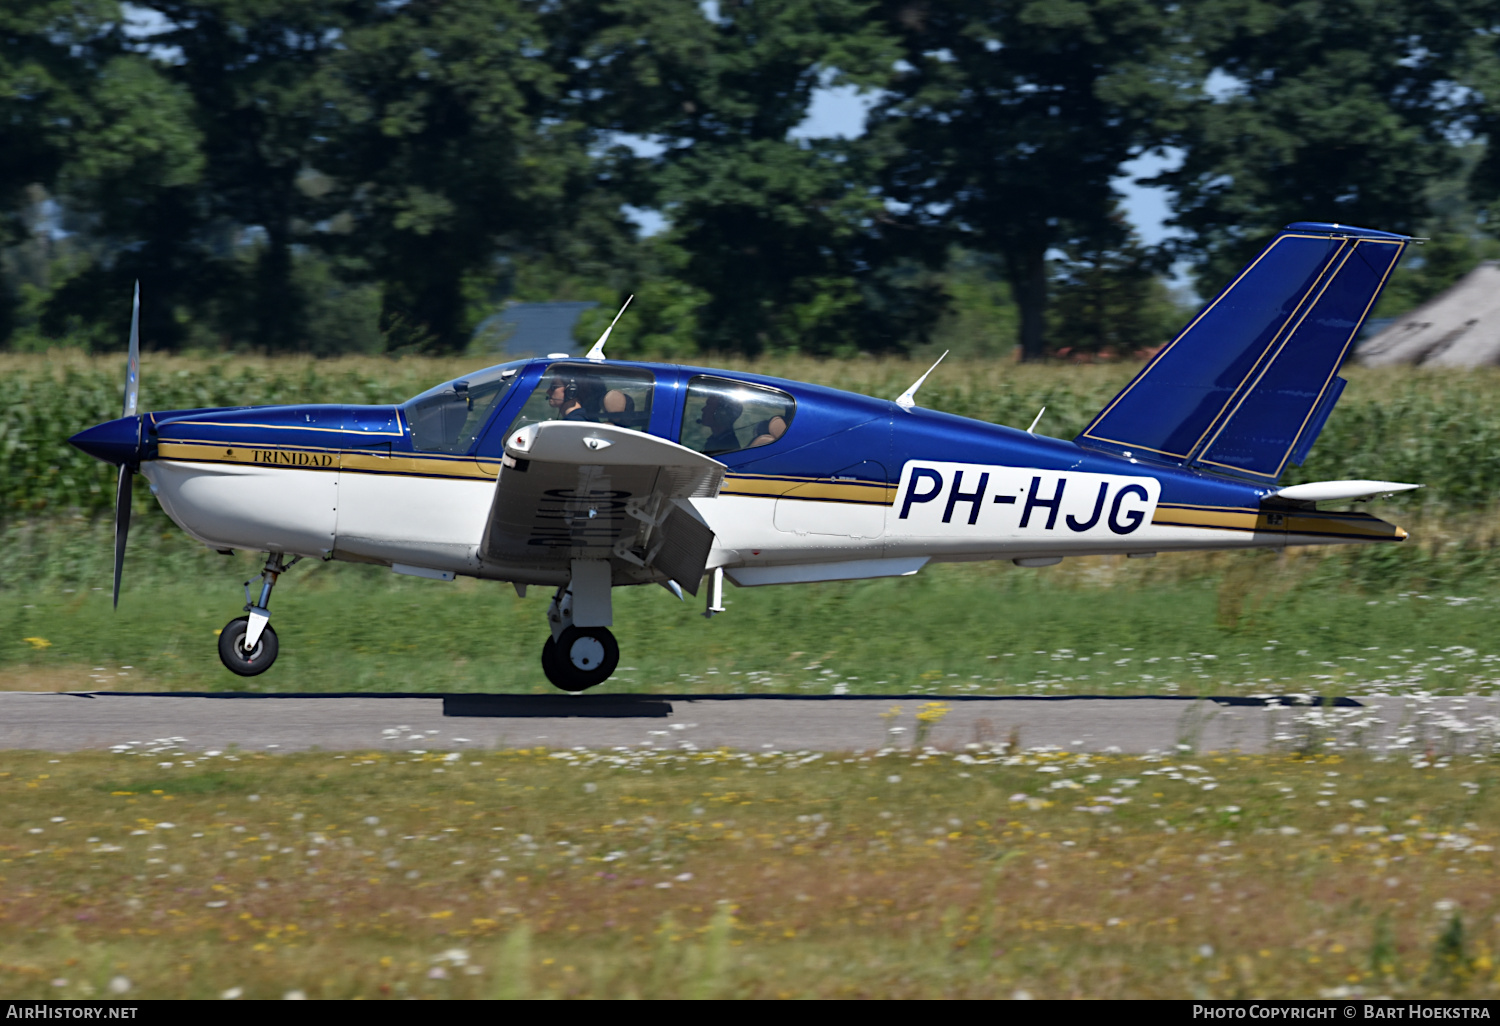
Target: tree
{"type": "Point", "coordinates": [1010, 121]}
{"type": "Point", "coordinates": [777, 234]}
{"type": "Point", "coordinates": [451, 149]}
{"type": "Point", "coordinates": [1327, 110]}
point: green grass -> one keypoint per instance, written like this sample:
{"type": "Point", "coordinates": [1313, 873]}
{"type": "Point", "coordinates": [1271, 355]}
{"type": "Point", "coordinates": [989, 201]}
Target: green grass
{"type": "Point", "coordinates": [1226, 623]}
{"type": "Point", "coordinates": [159, 873]}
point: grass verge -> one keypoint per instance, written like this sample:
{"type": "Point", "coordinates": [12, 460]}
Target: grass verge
{"type": "Point", "coordinates": [1328, 621]}
{"type": "Point", "coordinates": [158, 873]}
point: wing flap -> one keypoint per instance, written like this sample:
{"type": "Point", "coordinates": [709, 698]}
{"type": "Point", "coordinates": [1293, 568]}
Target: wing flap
{"type": "Point", "coordinates": [571, 491]}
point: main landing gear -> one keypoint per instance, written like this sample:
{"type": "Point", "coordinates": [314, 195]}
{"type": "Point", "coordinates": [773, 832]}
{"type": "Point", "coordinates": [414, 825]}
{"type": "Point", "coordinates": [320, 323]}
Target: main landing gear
{"type": "Point", "coordinates": [582, 651]}
{"type": "Point", "coordinates": [247, 644]}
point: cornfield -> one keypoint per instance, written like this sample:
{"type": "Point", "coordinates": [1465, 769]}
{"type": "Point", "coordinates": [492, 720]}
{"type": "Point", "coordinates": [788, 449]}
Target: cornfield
{"type": "Point", "coordinates": [1441, 429]}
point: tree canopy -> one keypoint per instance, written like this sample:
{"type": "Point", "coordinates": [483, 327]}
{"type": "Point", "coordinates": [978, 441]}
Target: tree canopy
{"type": "Point", "coordinates": [331, 175]}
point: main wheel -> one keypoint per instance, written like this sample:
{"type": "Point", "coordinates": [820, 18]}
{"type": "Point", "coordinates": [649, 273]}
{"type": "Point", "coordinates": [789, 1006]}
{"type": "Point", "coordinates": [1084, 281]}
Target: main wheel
{"type": "Point", "coordinates": [232, 648]}
{"type": "Point", "coordinates": [580, 658]}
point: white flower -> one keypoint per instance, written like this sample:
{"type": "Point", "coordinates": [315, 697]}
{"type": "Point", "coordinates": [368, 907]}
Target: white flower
{"type": "Point", "coordinates": [119, 985]}
{"type": "Point", "coordinates": [294, 995]}
{"type": "Point", "coordinates": [232, 993]}
{"type": "Point", "coordinates": [894, 778]}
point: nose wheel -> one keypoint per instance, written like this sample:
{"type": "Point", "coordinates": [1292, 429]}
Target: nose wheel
{"type": "Point", "coordinates": [247, 644]}
{"type": "Point", "coordinates": [580, 657]}
{"type": "Point", "coordinates": [233, 654]}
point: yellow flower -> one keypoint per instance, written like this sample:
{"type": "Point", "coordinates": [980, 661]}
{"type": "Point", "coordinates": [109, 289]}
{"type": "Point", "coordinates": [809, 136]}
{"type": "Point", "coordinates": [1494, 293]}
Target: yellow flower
{"type": "Point", "coordinates": [932, 712]}
{"type": "Point", "coordinates": [38, 643]}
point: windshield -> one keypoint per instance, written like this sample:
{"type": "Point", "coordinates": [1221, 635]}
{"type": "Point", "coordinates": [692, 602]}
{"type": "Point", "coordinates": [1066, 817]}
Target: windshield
{"type": "Point", "coordinates": [450, 417]}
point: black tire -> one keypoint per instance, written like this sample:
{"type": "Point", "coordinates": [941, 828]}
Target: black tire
{"type": "Point", "coordinates": [580, 658]}
{"type": "Point", "coordinates": [232, 653]}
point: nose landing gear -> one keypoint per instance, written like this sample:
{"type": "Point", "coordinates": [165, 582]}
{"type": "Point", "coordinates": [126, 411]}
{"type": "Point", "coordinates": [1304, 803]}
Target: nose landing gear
{"type": "Point", "coordinates": [247, 644]}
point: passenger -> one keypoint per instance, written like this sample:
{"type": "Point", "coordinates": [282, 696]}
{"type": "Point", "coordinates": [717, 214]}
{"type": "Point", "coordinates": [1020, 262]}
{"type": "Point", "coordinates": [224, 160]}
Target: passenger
{"type": "Point", "coordinates": [767, 431]}
{"type": "Point", "coordinates": [619, 408]}
{"type": "Point", "coordinates": [719, 414]}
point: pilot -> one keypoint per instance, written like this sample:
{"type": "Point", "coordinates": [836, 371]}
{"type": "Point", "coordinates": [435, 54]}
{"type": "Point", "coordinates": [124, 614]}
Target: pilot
{"type": "Point", "coordinates": [719, 414]}
{"type": "Point", "coordinates": [572, 398]}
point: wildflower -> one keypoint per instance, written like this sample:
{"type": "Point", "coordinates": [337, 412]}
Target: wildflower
{"type": "Point", "coordinates": [294, 995]}
{"type": "Point", "coordinates": [232, 993]}
{"type": "Point", "coordinates": [38, 643]}
{"type": "Point", "coordinates": [119, 985]}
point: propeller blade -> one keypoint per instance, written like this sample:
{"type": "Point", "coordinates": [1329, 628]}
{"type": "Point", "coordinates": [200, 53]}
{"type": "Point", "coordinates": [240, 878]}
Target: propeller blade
{"type": "Point", "coordinates": [133, 362]}
{"type": "Point", "coordinates": [122, 522]}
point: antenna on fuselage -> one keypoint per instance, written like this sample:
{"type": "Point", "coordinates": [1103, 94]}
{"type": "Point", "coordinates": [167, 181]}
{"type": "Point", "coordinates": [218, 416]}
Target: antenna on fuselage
{"type": "Point", "coordinates": [906, 400]}
{"type": "Point", "coordinates": [597, 353]}
{"type": "Point", "coordinates": [1032, 430]}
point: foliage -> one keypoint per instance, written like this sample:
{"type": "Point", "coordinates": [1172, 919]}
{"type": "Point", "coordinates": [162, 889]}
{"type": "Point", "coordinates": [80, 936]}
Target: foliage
{"type": "Point", "coordinates": [268, 167]}
{"type": "Point", "coordinates": [773, 232]}
{"type": "Point", "coordinates": [1011, 121]}
{"type": "Point", "coordinates": [1341, 112]}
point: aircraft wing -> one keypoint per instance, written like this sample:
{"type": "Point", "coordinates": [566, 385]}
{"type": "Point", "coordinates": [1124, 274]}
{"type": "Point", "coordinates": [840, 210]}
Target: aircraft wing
{"type": "Point", "coordinates": [569, 490]}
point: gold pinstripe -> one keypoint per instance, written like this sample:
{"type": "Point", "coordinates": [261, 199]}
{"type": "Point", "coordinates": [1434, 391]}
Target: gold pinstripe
{"type": "Point", "coordinates": [1336, 525]}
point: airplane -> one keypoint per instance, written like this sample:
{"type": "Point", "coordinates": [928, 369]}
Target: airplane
{"type": "Point", "coordinates": [583, 475]}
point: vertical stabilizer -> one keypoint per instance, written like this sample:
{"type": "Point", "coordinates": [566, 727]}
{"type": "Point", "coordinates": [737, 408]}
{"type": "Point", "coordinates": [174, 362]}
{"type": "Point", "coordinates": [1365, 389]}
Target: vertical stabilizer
{"type": "Point", "coordinates": [1247, 385]}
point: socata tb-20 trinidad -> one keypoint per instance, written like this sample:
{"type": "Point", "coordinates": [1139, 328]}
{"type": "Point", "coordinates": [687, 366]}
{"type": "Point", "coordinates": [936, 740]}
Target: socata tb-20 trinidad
{"type": "Point", "coordinates": [585, 475]}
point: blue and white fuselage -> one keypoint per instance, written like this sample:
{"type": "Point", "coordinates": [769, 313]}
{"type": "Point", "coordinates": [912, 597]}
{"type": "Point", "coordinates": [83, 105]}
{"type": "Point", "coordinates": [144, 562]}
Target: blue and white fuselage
{"type": "Point", "coordinates": [586, 475]}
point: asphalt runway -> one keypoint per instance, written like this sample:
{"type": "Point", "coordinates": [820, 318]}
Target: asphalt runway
{"type": "Point", "coordinates": [62, 722]}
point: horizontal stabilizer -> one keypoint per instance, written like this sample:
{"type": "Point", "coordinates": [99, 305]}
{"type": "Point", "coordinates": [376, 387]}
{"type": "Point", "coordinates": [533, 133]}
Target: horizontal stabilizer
{"type": "Point", "coordinates": [1335, 491]}
{"type": "Point", "coordinates": [1248, 384]}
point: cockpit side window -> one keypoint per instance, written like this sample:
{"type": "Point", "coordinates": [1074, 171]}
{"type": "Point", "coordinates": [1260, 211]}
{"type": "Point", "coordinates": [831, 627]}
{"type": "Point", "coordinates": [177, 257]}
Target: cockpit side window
{"type": "Point", "coordinates": [590, 393]}
{"type": "Point", "coordinates": [451, 416]}
{"type": "Point", "coordinates": [722, 415]}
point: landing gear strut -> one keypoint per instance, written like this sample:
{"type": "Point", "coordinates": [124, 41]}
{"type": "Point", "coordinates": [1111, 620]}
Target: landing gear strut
{"type": "Point", "coordinates": [577, 657]}
{"type": "Point", "coordinates": [247, 644]}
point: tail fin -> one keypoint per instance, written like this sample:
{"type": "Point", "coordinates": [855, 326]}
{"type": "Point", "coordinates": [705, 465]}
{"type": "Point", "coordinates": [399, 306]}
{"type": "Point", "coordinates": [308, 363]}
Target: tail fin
{"type": "Point", "coordinates": [1248, 384]}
